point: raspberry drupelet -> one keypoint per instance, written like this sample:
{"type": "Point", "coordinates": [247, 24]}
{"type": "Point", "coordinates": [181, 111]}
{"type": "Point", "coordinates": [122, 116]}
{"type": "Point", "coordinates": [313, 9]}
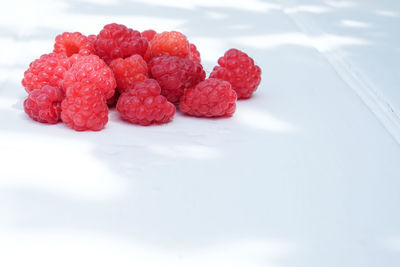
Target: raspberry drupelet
{"type": "Point", "coordinates": [194, 53]}
{"type": "Point", "coordinates": [148, 34]}
{"type": "Point", "coordinates": [92, 38]}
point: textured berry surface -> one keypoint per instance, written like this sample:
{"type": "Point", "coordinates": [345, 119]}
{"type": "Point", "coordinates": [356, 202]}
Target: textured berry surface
{"type": "Point", "coordinates": [74, 58]}
{"type": "Point", "coordinates": [91, 70]}
{"type": "Point", "coordinates": [44, 105]}
{"type": "Point", "coordinates": [210, 98]}
{"type": "Point", "coordinates": [149, 34]}
{"type": "Point", "coordinates": [175, 74]}
{"type": "Point", "coordinates": [168, 43]}
{"type": "Point", "coordinates": [84, 108]}
{"type": "Point", "coordinates": [49, 69]}
{"type": "Point", "coordinates": [128, 71]}
{"type": "Point", "coordinates": [92, 38]}
{"type": "Point", "coordinates": [194, 53]}
{"type": "Point", "coordinates": [70, 43]}
{"type": "Point", "coordinates": [144, 105]}
{"type": "Point", "coordinates": [118, 41]}
{"type": "Point", "coordinates": [238, 68]}
{"type": "Point", "coordinates": [112, 102]}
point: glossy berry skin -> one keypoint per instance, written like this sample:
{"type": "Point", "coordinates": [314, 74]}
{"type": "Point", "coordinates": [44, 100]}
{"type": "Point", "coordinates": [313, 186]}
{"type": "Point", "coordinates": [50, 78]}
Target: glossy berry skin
{"type": "Point", "coordinates": [175, 75]}
{"type": "Point", "coordinates": [128, 71]}
{"type": "Point", "coordinates": [239, 69]}
{"type": "Point", "coordinates": [168, 43]}
{"type": "Point", "coordinates": [210, 98]}
{"type": "Point", "coordinates": [144, 105]}
{"type": "Point", "coordinates": [74, 58]}
{"type": "Point", "coordinates": [148, 34]}
{"type": "Point", "coordinates": [84, 108]}
{"type": "Point", "coordinates": [194, 53]}
{"type": "Point", "coordinates": [118, 41]}
{"type": "Point", "coordinates": [49, 69]}
{"type": "Point", "coordinates": [91, 70]}
{"type": "Point", "coordinates": [70, 43]}
{"type": "Point", "coordinates": [44, 105]}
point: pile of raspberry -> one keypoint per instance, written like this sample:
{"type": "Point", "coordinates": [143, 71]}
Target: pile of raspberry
{"type": "Point", "coordinates": [146, 75]}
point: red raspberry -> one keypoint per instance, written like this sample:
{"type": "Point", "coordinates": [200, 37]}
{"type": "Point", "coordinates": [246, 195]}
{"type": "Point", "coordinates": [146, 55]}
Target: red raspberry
{"type": "Point", "coordinates": [112, 102]}
{"type": "Point", "coordinates": [144, 105]}
{"type": "Point", "coordinates": [128, 71]}
{"type": "Point", "coordinates": [73, 43]}
{"type": "Point", "coordinates": [92, 38]}
{"type": "Point", "coordinates": [91, 70]}
{"type": "Point", "coordinates": [210, 98]}
{"type": "Point", "coordinates": [194, 53]}
{"type": "Point", "coordinates": [74, 58]}
{"type": "Point", "coordinates": [149, 34]}
{"type": "Point", "coordinates": [238, 68]}
{"type": "Point", "coordinates": [116, 40]}
{"type": "Point", "coordinates": [49, 69]}
{"type": "Point", "coordinates": [168, 43]}
{"type": "Point", "coordinates": [44, 105]}
{"type": "Point", "coordinates": [175, 75]}
{"type": "Point", "coordinates": [84, 108]}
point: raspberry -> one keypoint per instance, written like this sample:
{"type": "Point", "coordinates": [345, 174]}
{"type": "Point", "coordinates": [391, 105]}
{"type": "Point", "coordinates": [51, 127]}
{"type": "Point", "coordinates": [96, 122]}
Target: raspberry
{"type": "Point", "coordinates": [194, 53]}
{"type": "Point", "coordinates": [92, 38]}
{"type": "Point", "coordinates": [144, 105]}
{"type": "Point", "coordinates": [84, 108]}
{"type": "Point", "coordinates": [149, 34]}
{"type": "Point", "coordinates": [116, 40]}
{"type": "Point", "coordinates": [238, 68]}
{"type": "Point", "coordinates": [111, 102]}
{"type": "Point", "coordinates": [91, 70]}
{"type": "Point", "coordinates": [168, 43]}
{"type": "Point", "coordinates": [210, 98]}
{"type": "Point", "coordinates": [49, 69]}
{"type": "Point", "coordinates": [44, 105]}
{"type": "Point", "coordinates": [175, 74]}
{"type": "Point", "coordinates": [74, 58]}
{"type": "Point", "coordinates": [128, 71]}
{"type": "Point", "coordinates": [73, 43]}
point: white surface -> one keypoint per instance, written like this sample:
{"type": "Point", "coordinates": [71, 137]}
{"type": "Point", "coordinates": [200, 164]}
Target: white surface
{"type": "Point", "coordinates": [371, 68]}
{"type": "Point", "coordinates": [303, 175]}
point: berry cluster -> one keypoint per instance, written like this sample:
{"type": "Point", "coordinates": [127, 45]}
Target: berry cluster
{"type": "Point", "coordinates": [146, 75]}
